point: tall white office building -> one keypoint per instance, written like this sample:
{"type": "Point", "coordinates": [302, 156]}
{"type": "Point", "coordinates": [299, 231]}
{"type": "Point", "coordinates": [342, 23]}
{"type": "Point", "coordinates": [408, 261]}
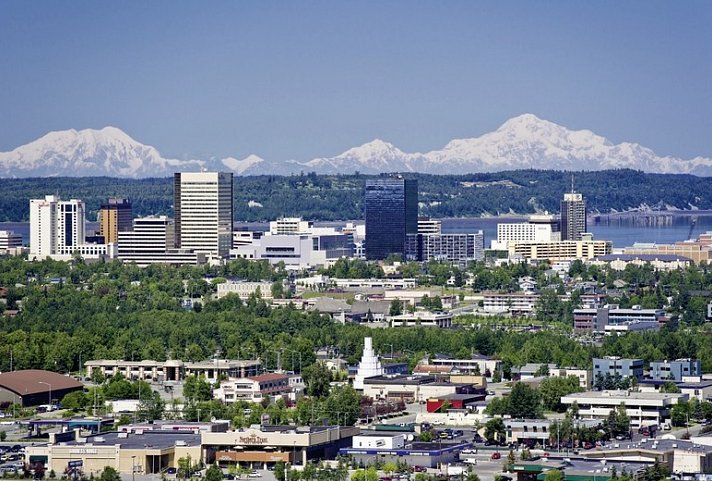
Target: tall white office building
{"type": "Point", "coordinates": [57, 227]}
{"type": "Point", "coordinates": [203, 212]}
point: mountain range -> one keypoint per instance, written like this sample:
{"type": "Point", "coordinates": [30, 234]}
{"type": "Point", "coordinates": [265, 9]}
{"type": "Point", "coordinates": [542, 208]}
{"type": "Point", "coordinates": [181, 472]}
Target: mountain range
{"type": "Point", "coordinates": [523, 142]}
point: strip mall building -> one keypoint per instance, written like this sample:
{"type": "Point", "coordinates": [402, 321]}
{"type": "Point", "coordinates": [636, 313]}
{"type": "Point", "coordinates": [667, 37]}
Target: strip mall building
{"type": "Point", "coordinates": [144, 451]}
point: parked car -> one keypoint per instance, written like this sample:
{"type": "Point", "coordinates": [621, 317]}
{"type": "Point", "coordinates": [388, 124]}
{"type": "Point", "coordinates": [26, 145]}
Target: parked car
{"type": "Point", "coordinates": [496, 455]}
{"type": "Point", "coordinates": [419, 469]}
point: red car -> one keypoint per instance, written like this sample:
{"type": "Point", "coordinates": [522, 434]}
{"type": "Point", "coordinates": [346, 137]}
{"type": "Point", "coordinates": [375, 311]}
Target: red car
{"type": "Point", "coordinates": [419, 469]}
{"type": "Point", "coordinates": [496, 455]}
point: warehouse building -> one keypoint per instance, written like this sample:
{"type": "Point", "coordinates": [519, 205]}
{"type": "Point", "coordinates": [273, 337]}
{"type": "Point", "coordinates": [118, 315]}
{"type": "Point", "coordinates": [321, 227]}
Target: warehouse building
{"type": "Point", "coordinates": [32, 387]}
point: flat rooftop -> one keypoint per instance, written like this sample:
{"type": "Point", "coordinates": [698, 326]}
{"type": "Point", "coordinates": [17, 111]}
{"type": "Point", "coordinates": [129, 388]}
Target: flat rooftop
{"type": "Point", "coordinates": [652, 396]}
{"type": "Point", "coordinates": [149, 439]}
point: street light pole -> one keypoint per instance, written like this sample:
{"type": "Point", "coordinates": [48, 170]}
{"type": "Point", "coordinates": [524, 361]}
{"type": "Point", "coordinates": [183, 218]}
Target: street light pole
{"type": "Point", "coordinates": [133, 468]}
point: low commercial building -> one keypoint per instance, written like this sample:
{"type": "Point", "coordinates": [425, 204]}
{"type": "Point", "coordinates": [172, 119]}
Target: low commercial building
{"type": "Point", "coordinates": [596, 319]}
{"type": "Point", "coordinates": [442, 320]}
{"type": "Point", "coordinates": [515, 303]}
{"type": "Point", "coordinates": [32, 387]}
{"type": "Point", "coordinates": [357, 284]}
{"type": "Point", "coordinates": [149, 452]}
{"type": "Point", "coordinates": [174, 369]}
{"type": "Point", "coordinates": [411, 388]}
{"type": "Point", "coordinates": [263, 446]}
{"type": "Point", "coordinates": [533, 432]}
{"type": "Point", "coordinates": [685, 459]}
{"type": "Point", "coordinates": [254, 388]}
{"type": "Point", "coordinates": [427, 455]}
{"type": "Point", "coordinates": [630, 326]}
{"type": "Point", "coordinates": [456, 401]}
{"type": "Point", "coordinates": [379, 440]}
{"type": "Point", "coordinates": [641, 407]}
{"type": "Point", "coordinates": [477, 364]}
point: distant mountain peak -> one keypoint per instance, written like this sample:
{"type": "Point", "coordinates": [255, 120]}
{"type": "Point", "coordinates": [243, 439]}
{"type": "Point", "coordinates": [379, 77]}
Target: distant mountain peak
{"type": "Point", "coordinates": [522, 142]}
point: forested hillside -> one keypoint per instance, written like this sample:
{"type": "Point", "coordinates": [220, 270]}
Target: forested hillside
{"type": "Point", "coordinates": [339, 197]}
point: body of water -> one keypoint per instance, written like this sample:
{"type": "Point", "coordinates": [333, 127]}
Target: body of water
{"type": "Point", "coordinates": [623, 230]}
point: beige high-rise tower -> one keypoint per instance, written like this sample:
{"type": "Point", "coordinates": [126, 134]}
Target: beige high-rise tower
{"type": "Point", "coordinates": [203, 212]}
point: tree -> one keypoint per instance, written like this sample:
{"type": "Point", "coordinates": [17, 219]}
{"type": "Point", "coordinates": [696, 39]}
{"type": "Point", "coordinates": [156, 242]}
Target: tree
{"type": "Point", "coordinates": [495, 429]}
{"type": "Point", "coordinates": [371, 474]}
{"type": "Point", "coordinates": [279, 471]}
{"type": "Point", "coordinates": [554, 475]}
{"type": "Point", "coordinates": [317, 378]}
{"type": "Point", "coordinates": [213, 473]}
{"type": "Point", "coordinates": [359, 475]}
{"type": "Point", "coordinates": [3, 436]}
{"type": "Point", "coordinates": [669, 387]}
{"type": "Point", "coordinates": [76, 401]}
{"type": "Point", "coordinates": [196, 389]}
{"type": "Point", "coordinates": [151, 407]}
{"type": "Point", "coordinates": [524, 402]}
{"type": "Point", "coordinates": [396, 308]}
{"type": "Point", "coordinates": [552, 389]}
{"type": "Point", "coordinates": [109, 474]}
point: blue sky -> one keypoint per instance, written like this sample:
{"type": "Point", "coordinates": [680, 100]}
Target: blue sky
{"type": "Point", "coordinates": [303, 79]}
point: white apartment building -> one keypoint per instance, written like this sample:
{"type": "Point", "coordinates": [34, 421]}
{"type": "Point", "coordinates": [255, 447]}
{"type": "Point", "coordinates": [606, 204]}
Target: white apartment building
{"type": "Point", "coordinates": [151, 241]}
{"type": "Point", "coordinates": [203, 212]}
{"type": "Point", "coordinates": [57, 230]}
{"type": "Point", "coordinates": [539, 228]}
{"type": "Point", "coordinates": [641, 407]}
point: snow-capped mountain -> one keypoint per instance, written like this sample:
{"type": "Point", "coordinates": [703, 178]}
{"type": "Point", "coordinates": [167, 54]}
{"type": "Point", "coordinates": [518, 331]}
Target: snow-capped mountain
{"type": "Point", "coordinates": [523, 142]}
{"type": "Point", "coordinates": [108, 151]}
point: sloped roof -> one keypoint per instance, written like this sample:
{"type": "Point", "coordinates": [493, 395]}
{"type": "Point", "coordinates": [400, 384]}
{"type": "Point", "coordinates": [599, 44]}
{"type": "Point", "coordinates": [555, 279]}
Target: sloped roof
{"type": "Point", "coordinates": [33, 381]}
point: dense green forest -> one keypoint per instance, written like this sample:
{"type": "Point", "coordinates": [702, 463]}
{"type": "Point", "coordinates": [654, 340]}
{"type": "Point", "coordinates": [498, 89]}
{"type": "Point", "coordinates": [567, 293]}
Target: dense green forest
{"type": "Point", "coordinates": [339, 197]}
{"type": "Point", "coordinates": [120, 311]}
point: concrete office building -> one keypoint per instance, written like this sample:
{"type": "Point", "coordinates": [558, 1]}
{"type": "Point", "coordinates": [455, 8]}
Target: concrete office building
{"type": "Point", "coordinates": [151, 241]}
{"type": "Point", "coordinates": [675, 370]}
{"type": "Point", "coordinates": [641, 407]}
{"type": "Point", "coordinates": [391, 208]}
{"type": "Point", "coordinates": [115, 216]}
{"type": "Point", "coordinates": [9, 240]}
{"type": "Point", "coordinates": [614, 365]}
{"type": "Point", "coordinates": [573, 216]}
{"type": "Point", "coordinates": [203, 212]}
{"type": "Point", "coordinates": [597, 319]}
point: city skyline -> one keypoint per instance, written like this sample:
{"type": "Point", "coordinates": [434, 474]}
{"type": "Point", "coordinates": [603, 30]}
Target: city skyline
{"type": "Point", "coordinates": [302, 81]}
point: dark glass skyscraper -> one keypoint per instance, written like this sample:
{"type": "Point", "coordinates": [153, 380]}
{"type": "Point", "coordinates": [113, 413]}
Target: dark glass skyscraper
{"type": "Point", "coordinates": [391, 208]}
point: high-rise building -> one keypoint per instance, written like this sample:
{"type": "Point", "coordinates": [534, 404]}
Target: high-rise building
{"type": "Point", "coordinates": [203, 212]}
{"type": "Point", "coordinates": [573, 216]}
{"type": "Point", "coordinates": [391, 208]}
{"type": "Point", "coordinates": [115, 216]}
{"type": "Point", "coordinates": [57, 226]}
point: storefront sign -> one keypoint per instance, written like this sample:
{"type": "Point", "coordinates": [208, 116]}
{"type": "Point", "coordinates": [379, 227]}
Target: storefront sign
{"type": "Point", "coordinates": [252, 440]}
{"type": "Point", "coordinates": [83, 451]}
